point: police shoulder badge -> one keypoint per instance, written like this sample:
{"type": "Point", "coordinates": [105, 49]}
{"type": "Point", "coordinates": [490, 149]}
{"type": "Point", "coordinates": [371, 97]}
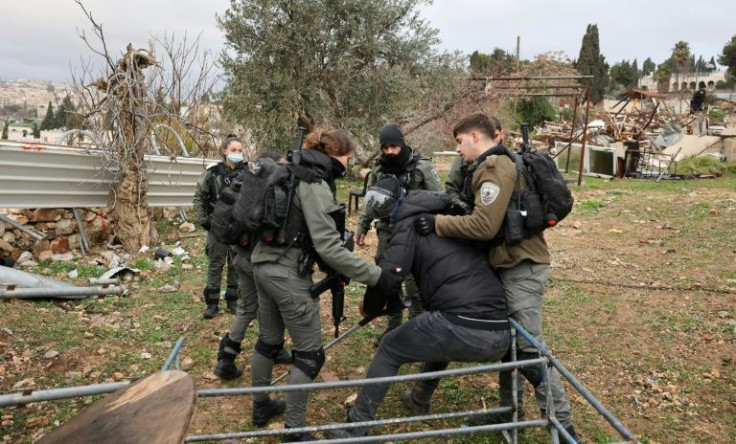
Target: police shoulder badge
{"type": "Point", "coordinates": [488, 193]}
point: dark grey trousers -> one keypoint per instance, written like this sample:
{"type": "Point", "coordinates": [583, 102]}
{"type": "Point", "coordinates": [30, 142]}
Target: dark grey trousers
{"type": "Point", "coordinates": [429, 338]}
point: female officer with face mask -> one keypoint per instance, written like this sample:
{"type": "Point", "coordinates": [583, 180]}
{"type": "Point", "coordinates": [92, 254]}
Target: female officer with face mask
{"type": "Point", "coordinates": [209, 186]}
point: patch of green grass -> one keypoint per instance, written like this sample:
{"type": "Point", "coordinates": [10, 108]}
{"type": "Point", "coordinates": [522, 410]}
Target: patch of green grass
{"type": "Point", "coordinates": [142, 263]}
{"type": "Point", "coordinates": [590, 206]}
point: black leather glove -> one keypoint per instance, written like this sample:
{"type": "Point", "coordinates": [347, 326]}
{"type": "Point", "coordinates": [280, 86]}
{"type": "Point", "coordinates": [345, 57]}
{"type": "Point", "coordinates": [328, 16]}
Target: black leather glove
{"type": "Point", "coordinates": [389, 283]}
{"type": "Point", "coordinates": [206, 224]}
{"type": "Point", "coordinates": [424, 224]}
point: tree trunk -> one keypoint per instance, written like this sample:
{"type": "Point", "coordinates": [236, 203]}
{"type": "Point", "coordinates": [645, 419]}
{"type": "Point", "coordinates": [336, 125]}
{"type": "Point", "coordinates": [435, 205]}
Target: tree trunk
{"type": "Point", "coordinates": [128, 205]}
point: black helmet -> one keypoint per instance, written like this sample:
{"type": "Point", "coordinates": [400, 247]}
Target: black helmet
{"type": "Point", "coordinates": [381, 198]}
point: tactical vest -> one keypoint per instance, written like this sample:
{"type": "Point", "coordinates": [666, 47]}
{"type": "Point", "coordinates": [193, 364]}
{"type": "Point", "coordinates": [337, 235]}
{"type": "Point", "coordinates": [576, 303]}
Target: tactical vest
{"type": "Point", "coordinates": [407, 177]}
{"type": "Point", "coordinates": [218, 179]}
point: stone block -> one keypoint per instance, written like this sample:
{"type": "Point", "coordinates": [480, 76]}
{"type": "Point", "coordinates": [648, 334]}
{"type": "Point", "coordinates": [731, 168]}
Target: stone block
{"type": "Point", "coordinates": [60, 245]}
{"type": "Point", "coordinates": [65, 227]}
{"type": "Point", "coordinates": [46, 214]}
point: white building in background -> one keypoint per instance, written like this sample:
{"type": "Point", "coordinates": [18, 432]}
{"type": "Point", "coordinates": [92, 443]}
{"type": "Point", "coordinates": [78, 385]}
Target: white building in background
{"type": "Point", "coordinates": [686, 81]}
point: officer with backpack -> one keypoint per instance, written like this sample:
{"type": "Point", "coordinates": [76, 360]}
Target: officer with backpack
{"type": "Point", "coordinates": [523, 268]}
{"type": "Point", "coordinates": [231, 344]}
{"type": "Point", "coordinates": [209, 186]}
{"type": "Point", "coordinates": [283, 275]}
{"type": "Point", "coordinates": [399, 160]}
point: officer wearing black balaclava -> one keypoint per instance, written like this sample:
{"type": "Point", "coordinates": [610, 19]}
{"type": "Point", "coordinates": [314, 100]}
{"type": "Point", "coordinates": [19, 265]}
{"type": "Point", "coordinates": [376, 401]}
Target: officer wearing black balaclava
{"type": "Point", "coordinates": [399, 160]}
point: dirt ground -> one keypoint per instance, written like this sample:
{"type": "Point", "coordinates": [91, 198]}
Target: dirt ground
{"type": "Point", "coordinates": [641, 308]}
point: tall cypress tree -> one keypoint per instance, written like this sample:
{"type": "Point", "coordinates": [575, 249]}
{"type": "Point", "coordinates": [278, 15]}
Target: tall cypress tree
{"type": "Point", "coordinates": [5, 131]}
{"type": "Point", "coordinates": [48, 120]}
{"type": "Point", "coordinates": [591, 62]}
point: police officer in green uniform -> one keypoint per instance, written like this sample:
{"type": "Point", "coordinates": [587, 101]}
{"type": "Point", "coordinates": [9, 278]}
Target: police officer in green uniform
{"type": "Point", "coordinates": [284, 299]}
{"type": "Point", "coordinates": [209, 186]}
{"type": "Point", "coordinates": [458, 171]}
{"type": "Point", "coordinates": [523, 268]}
{"type": "Point", "coordinates": [399, 160]}
{"type": "Point", "coordinates": [231, 344]}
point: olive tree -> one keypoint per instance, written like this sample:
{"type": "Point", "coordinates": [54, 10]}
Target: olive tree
{"type": "Point", "coordinates": [351, 64]}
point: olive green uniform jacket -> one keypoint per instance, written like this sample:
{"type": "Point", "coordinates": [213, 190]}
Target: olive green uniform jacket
{"type": "Point", "coordinates": [316, 202]}
{"type": "Point", "coordinates": [493, 183]}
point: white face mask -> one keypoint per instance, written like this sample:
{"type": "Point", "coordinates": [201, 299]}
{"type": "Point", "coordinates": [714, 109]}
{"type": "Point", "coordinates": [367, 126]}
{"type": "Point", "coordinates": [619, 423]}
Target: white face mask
{"type": "Point", "coordinates": [235, 158]}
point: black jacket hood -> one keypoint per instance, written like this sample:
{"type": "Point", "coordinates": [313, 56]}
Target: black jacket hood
{"type": "Point", "coordinates": [418, 202]}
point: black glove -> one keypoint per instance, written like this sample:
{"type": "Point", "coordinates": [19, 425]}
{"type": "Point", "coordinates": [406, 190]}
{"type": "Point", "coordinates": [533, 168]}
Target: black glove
{"type": "Point", "coordinates": [424, 224]}
{"type": "Point", "coordinates": [206, 224]}
{"type": "Point", "coordinates": [389, 283]}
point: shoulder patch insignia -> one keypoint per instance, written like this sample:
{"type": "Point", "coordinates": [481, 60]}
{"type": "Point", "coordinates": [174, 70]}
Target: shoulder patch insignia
{"type": "Point", "coordinates": [488, 193]}
{"type": "Point", "coordinates": [435, 174]}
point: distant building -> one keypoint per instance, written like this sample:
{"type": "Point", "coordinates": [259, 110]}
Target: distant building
{"type": "Point", "coordinates": [687, 82]}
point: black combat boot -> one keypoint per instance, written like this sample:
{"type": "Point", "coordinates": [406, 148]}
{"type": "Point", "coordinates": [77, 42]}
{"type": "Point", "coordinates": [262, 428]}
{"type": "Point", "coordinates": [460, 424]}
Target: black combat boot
{"type": "Point", "coordinates": [226, 368]}
{"type": "Point", "coordinates": [496, 418]}
{"type": "Point", "coordinates": [212, 299]}
{"type": "Point", "coordinates": [571, 430]}
{"type": "Point", "coordinates": [267, 410]}
{"type": "Point", "coordinates": [231, 298]}
{"type": "Point", "coordinates": [348, 433]}
{"type": "Point", "coordinates": [415, 401]}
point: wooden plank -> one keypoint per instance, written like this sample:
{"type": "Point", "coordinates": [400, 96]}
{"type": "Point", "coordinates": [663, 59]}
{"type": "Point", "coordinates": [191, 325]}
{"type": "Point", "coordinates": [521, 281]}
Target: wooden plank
{"type": "Point", "coordinates": [156, 409]}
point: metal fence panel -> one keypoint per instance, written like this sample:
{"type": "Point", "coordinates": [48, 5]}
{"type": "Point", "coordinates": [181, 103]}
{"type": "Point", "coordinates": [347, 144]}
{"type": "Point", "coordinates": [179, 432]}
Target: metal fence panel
{"type": "Point", "coordinates": [53, 176]}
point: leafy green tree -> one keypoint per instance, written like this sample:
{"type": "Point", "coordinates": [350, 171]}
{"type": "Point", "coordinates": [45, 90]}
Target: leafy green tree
{"type": "Point", "coordinates": [648, 67]}
{"type": "Point", "coordinates": [347, 63]}
{"type": "Point", "coordinates": [5, 131]}
{"type": "Point", "coordinates": [592, 62]}
{"type": "Point", "coordinates": [728, 57]}
{"type": "Point", "coordinates": [534, 111]}
{"type": "Point", "coordinates": [662, 76]}
{"type": "Point", "coordinates": [680, 59]}
{"type": "Point", "coordinates": [48, 121]}
{"type": "Point", "coordinates": [499, 62]}
{"type": "Point", "coordinates": [67, 115]}
{"type": "Point", "coordinates": [36, 131]}
{"type": "Point", "coordinates": [624, 76]}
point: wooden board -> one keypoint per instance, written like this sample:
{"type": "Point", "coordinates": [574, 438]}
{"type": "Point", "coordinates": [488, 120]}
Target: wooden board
{"type": "Point", "coordinates": [156, 409]}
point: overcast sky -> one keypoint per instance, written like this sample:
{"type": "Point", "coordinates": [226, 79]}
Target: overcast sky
{"type": "Point", "coordinates": [39, 39]}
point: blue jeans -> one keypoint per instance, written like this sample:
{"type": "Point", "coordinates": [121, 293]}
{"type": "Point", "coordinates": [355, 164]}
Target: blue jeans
{"type": "Point", "coordinates": [428, 337]}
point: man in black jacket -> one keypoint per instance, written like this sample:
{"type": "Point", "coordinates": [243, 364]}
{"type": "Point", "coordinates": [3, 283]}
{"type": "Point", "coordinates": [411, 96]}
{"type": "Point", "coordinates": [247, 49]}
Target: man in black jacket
{"type": "Point", "coordinates": [465, 318]}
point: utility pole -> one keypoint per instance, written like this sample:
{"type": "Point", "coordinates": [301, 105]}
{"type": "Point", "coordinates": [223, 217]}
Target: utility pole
{"type": "Point", "coordinates": [518, 50]}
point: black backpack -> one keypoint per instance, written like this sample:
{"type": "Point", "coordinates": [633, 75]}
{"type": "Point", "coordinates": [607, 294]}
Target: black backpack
{"type": "Point", "coordinates": [543, 202]}
{"type": "Point", "coordinates": [255, 207]}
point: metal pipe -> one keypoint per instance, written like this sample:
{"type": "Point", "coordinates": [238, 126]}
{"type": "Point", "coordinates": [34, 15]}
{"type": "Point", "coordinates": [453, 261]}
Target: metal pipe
{"type": "Point", "coordinates": [174, 354]}
{"type": "Point", "coordinates": [83, 243]}
{"type": "Point", "coordinates": [514, 388]}
{"type": "Point", "coordinates": [585, 135]}
{"type": "Point", "coordinates": [62, 393]}
{"type": "Point", "coordinates": [533, 78]}
{"type": "Point", "coordinates": [340, 426]}
{"type": "Point", "coordinates": [620, 428]}
{"type": "Point", "coordinates": [111, 281]}
{"type": "Point", "coordinates": [30, 231]}
{"type": "Point", "coordinates": [359, 382]}
{"type": "Point", "coordinates": [561, 430]}
{"type": "Point", "coordinates": [29, 280]}
{"type": "Point", "coordinates": [377, 438]}
{"type": "Point", "coordinates": [62, 293]}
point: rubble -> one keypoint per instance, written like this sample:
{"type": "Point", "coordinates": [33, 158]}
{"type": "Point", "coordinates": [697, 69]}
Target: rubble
{"type": "Point", "coordinates": [646, 131]}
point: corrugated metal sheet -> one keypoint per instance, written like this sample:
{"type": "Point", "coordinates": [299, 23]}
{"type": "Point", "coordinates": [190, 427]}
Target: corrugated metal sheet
{"type": "Point", "coordinates": [52, 176]}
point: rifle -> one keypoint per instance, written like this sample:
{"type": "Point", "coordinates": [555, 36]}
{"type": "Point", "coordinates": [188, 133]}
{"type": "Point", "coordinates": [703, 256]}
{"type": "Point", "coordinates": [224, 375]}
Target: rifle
{"type": "Point", "coordinates": [525, 145]}
{"type": "Point", "coordinates": [335, 282]}
{"type": "Point", "coordinates": [292, 156]}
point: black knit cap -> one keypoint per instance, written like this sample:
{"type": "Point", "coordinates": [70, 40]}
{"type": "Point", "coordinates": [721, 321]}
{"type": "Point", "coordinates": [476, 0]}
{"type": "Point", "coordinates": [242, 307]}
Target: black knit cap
{"type": "Point", "coordinates": [391, 135]}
